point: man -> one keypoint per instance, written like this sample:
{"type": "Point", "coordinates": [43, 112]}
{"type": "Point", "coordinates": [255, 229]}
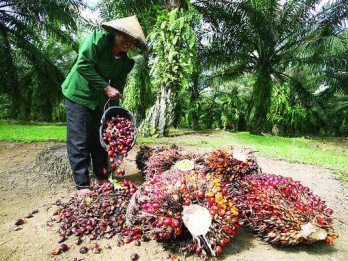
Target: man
{"type": "Point", "coordinates": [99, 74]}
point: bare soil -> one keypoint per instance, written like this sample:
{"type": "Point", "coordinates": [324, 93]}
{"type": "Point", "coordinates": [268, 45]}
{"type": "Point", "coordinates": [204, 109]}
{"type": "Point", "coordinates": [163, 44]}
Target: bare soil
{"type": "Point", "coordinates": [24, 191]}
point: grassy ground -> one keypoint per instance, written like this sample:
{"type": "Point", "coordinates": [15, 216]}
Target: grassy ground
{"type": "Point", "coordinates": [26, 132]}
{"type": "Point", "coordinates": [330, 153]}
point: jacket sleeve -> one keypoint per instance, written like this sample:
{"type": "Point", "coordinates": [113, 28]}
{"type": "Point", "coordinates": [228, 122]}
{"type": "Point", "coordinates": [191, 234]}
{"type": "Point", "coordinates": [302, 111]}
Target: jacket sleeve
{"type": "Point", "coordinates": [89, 52]}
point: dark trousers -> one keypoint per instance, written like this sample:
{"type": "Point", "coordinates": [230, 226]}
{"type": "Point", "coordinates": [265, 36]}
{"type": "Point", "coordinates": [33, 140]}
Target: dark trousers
{"type": "Point", "coordinates": [83, 143]}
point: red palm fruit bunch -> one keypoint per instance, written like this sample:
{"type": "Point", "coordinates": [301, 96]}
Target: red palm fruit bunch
{"type": "Point", "coordinates": [154, 161]}
{"type": "Point", "coordinates": [283, 211]}
{"type": "Point", "coordinates": [100, 214]}
{"type": "Point", "coordinates": [118, 134]}
{"type": "Point", "coordinates": [231, 164]}
{"type": "Point", "coordinates": [178, 205]}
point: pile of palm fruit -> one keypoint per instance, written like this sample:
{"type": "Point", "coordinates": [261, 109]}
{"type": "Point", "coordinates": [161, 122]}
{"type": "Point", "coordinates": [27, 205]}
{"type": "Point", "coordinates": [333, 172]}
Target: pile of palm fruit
{"type": "Point", "coordinates": [281, 211]}
{"type": "Point", "coordinates": [200, 201]}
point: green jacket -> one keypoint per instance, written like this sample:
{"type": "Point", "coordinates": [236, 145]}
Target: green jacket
{"type": "Point", "coordinates": [95, 67]}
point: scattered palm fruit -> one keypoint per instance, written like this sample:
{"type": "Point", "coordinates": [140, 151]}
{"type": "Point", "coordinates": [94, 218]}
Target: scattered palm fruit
{"type": "Point", "coordinates": [63, 247]}
{"type": "Point", "coordinates": [55, 251]}
{"type": "Point", "coordinates": [134, 256]}
{"type": "Point", "coordinates": [84, 250]}
{"type": "Point", "coordinates": [61, 239]}
{"type": "Point", "coordinates": [96, 248]}
{"type": "Point", "coordinates": [19, 221]}
{"type": "Point", "coordinates": [101, 214]}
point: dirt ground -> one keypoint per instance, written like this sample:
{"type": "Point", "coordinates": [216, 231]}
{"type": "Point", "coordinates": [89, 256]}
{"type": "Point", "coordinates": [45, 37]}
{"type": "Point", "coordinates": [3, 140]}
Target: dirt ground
{"type": "Point", "coordinates": [23, 192]}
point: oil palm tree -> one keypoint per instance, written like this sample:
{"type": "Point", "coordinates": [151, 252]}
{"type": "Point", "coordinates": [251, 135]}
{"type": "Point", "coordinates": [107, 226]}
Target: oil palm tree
{"type": "Point", "coordinates": [268, 38]}
{"type": "Point", "coordinates": [25, 29]}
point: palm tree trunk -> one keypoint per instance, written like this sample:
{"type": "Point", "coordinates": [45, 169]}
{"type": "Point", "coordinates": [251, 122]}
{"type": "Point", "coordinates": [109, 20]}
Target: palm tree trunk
{"type": "Point", "coordinates": [194, 101]}
{"type": "Point", "coordinates": [161, 115]}
{"type": "Point", "coordinates": [261, 102]}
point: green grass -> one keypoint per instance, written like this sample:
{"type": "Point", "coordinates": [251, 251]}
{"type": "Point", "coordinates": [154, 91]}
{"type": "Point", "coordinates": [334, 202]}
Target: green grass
{"type": "Point", "coordinates": [314, 151]}
{"type": "Point", "coordinates": [26, 132]}
{"type": "Point", "coordinates": [331, 153]}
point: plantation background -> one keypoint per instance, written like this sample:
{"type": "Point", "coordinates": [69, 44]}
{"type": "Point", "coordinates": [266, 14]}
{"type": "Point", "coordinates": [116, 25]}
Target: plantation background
{"type": "Point", "coordinates": [263, 67]}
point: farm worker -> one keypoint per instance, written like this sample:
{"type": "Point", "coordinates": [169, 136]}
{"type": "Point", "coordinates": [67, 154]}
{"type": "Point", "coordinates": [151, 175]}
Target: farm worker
{"type": "Point", "coordinates": [99, 74]}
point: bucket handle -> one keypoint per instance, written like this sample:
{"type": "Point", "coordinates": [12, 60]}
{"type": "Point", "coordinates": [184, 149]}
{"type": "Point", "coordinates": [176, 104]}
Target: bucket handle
{"type": "Point", "coordinates": [106, 104]}
{"type": "Point", "coordinates": [102, 120]}
{"type": "Point", "coordinates": [107, 100]}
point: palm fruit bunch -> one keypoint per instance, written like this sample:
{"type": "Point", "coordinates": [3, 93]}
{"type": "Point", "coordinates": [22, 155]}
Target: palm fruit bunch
{"type": "Point", "coordinates": [231, 164]}
{"type": "Point", "coordinates": [187, 205]}
{"type": "Point", "coordinates": [99, 214]}
{"type": "Point", "coordinates": [283, 211]}
{"type": "Point", "coordinates": [154, 161]}
{"type": "Point", "coordinates": [142, 156]}
{"type": "Point", "coordinates": [118, 135]}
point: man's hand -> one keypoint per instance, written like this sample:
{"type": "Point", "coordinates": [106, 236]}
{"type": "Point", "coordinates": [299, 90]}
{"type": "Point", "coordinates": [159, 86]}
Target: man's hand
{"type": "Point", "coordinates": [113, 93]}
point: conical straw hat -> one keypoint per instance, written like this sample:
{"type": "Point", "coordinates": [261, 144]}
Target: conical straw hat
{"type": "Point", "coordinates": [128, 25]}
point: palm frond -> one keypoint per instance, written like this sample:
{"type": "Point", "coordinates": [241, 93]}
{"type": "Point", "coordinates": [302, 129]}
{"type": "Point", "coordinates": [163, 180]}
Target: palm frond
{"type": "Point", "coordinates": [25, 27]}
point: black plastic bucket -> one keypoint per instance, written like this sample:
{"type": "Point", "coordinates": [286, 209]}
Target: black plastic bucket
{"type": "Point", "coordinates": [115, 111]}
